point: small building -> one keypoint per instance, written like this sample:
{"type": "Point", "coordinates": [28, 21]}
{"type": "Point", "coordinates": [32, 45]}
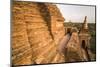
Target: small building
{"type": "Point", "coordinates": [70, 28]}
{"type": "Point", "coordinates": [84, 35]}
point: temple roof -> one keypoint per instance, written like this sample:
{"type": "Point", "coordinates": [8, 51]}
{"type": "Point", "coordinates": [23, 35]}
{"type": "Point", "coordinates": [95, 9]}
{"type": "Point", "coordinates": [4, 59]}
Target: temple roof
{"type": "Point", "coordinates": [84, 28]}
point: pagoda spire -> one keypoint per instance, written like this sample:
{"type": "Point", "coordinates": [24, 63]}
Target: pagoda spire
{"type": "Point", "coordinates": [85, 24]}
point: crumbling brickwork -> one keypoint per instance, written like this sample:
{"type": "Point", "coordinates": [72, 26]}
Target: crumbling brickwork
{"type": "Point", "coordinates": [35, 33]}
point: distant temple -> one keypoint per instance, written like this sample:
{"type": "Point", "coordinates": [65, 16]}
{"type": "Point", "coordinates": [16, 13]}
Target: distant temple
{"type": "Point", "coordinates": [84, 28]}
{"type": "Point", "coordinates": [85, 37]}
{"type": "Point", "coordinates": [84, 32]}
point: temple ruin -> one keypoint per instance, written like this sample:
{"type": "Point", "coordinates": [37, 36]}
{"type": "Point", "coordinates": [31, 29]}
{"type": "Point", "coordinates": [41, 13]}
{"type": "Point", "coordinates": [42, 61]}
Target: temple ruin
{"type": "Point", "coordinates": [38, 36]}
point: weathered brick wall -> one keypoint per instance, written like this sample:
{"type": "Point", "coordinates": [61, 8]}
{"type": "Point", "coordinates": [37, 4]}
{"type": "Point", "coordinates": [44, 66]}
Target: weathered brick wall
{"type": "Point", "coordinates": [21, 48]}
{"type": "Point", "coordinates": [74, 51]}
{"type": "Point", "coordinates": [36, 31]}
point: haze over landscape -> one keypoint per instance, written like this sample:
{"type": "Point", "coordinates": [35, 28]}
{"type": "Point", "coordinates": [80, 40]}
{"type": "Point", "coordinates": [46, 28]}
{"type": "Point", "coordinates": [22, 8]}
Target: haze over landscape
{"type": "Point", "coordinates": [76, 13]}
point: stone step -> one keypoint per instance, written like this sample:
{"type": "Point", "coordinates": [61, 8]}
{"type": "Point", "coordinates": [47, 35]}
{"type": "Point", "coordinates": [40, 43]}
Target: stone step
{"type": "Point", "coordinates": [46, 55]}
{"type": "Point", "coordinates": [37, 25]}
{"type": "Point", "coordinates": [43, 51]}
{"type": "Point", "coordinates": [18, 17]}
{"type": "Point", "coordinates": [51, 55]}
{"type": "Point", "coordinates": [18, 41]}
{"type": "Point", "coordinates": [24, 55]}
{"type": "Point", "coordinates": [58, 58]}
{"type": "Point", "coordinates": [42, 31]}
{"type": "Point", "coordinates": [39, 38]}
{"type": "Point", "coordinates": [41, 44]}
{"type": "Point", "coordinates": [29, 18]}
{"type": "Point", "coordinates": [20, 49]}
{"type": "Point", "coordinates": [55, 58]}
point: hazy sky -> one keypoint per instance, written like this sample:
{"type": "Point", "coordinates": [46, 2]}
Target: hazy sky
{"type": "Point", "coordinates": [76, 13]}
